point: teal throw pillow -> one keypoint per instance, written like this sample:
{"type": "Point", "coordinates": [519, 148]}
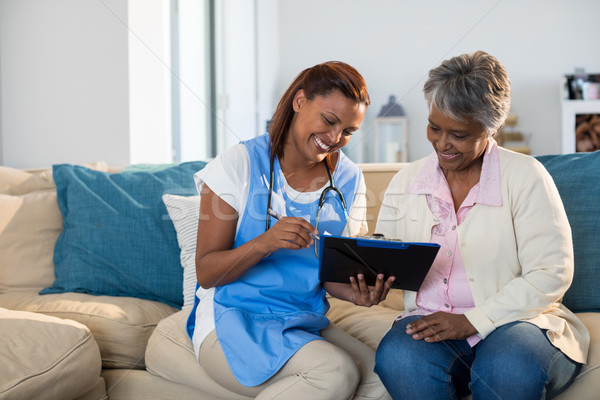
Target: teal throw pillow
{"type": "Point", "coordinates": [577, 177]}
{"type": "Point", "coordinates": [117, 238]}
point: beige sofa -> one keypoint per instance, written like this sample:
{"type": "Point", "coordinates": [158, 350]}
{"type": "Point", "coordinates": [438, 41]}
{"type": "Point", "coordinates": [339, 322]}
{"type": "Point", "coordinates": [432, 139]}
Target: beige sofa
{"type": "Point", "coordinates": [80, 346]}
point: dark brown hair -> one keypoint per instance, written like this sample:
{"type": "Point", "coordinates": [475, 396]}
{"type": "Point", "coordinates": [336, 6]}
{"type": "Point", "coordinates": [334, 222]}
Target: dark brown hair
{"type": "Point", "coordinates": [320, 80]}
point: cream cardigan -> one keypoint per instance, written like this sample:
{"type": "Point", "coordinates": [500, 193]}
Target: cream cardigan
{"type": "Point", "coordinates": [518, 257]}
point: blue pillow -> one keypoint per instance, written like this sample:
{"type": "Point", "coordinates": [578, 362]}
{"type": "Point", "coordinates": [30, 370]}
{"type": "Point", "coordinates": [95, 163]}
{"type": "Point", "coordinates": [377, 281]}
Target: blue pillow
{"type": "Point", "coordinates": [577, 177]}
{"type": "Point", "coordinates": [118, 239]}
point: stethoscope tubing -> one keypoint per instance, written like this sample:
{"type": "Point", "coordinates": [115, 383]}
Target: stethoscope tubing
{"type": "Point", "coordinates": [321, 198]}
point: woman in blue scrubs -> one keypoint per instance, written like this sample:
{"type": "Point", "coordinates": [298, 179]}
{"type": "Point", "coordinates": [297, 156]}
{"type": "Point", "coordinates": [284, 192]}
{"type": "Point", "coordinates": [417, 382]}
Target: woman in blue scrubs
{"type": "Point", "coordinates": [259, 314]}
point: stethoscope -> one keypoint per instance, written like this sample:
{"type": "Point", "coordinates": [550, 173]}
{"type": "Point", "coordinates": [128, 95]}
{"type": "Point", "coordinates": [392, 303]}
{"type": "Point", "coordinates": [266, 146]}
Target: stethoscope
{"type": "Point", "coordinates": [322, 198]}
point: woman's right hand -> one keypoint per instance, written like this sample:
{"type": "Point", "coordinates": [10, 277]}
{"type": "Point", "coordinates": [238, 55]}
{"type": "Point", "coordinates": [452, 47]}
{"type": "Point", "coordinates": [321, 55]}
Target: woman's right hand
{"type": "Point", "coordinates": [287, 233]}
{"type": "Point", "coordinates": [218, 262]}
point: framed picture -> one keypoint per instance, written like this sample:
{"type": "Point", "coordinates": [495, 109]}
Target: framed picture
{"type": "Point", "coordinates": [587, 132]}
{"type": "Point", "coordinates": [580, 126]}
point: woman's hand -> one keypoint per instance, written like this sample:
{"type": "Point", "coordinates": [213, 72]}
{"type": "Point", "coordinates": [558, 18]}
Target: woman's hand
{"type": "Point", "coordinates": [364, 295]}
{"type": "Point", "coordinates": [287, 233]}
{"type": "Point", "coordinates": [218, 262]}
{"type": "Point", "coordinates": [441, 326]}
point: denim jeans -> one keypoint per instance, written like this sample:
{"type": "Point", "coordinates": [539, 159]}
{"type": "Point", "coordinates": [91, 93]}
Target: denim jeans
{"type": "Point", "coordinates": [516, 361]}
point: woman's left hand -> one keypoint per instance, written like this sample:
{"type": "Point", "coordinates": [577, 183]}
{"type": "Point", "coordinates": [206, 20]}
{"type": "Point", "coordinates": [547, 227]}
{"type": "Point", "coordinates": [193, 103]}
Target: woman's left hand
{"type": "Point", "coordinates": [441, 326]}
{"type": "Point", "coordinates": [364, 295]}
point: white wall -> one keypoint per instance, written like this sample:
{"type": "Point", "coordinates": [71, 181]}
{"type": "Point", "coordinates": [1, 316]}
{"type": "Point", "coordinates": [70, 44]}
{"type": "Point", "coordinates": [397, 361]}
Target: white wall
{"type": "Point", "coordinates": [247, 66]}
{"type": "Point", "coordinates": [63, 82]}
{"type": "Point", "coordinates": [64, 67]}
{"type": "Point", "coordinates": [394, 43]}
{"type": "Point", "coordinates": [268, 62]}
{"type": "Point", "coordinates": [193, 80]}
{"type": "Point", "coordinates": [1, 149]}
{"type": "Point", "coordinates": [150, 138]}
{"type": "Point", "coordinates": [236, 72]}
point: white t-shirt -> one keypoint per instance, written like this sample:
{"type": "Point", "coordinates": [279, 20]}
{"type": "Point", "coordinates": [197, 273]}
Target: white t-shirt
{"type": "Point", "coordinates": [228, 176]}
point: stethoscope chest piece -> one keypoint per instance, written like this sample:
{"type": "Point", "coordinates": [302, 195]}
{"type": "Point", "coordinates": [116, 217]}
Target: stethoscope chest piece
{"type": "Point", "coordinates": [322, 198]}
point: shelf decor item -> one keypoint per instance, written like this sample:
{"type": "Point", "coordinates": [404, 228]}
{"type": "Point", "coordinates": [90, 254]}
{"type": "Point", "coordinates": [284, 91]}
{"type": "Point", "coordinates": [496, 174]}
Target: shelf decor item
{"type": "Point", "coordinates": [587, 132]}
{"type": "Point", "coordinates": [581, 86]}
{"type": "Point", "coordinates": [512, 139]}
{"type": "Point", "coordinates": [390, 135]}
{"type": "Point", "coordinates": [580, 112]}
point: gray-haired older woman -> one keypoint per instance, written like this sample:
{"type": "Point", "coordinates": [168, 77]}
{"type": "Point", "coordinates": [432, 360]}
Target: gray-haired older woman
{"type": "Point", "coordinates": [488, 318]}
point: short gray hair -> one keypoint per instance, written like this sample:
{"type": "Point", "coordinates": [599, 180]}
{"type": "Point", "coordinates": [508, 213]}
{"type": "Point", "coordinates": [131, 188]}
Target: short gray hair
{"type": "Point", "coordinates": [471, 86]}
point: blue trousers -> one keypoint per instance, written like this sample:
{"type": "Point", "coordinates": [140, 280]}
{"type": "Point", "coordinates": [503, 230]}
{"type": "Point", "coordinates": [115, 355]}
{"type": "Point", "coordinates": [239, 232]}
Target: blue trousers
{"type": "Point", "coordinates": [516, 361]}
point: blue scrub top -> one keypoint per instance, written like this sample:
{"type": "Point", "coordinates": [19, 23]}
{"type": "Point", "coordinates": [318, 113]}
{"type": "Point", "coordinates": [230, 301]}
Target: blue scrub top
{"type": "Point", "coordinates": [278, 305]}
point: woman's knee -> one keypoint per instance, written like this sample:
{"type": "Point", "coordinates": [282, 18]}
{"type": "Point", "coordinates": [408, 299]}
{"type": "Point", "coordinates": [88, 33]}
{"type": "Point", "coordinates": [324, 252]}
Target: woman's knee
{"type": "Point", "coordinates": [331, 369]}
{"type": "Point", "coordinates": [344, 372]}
{"type": "Point", "coordinates": [517, 357]}
{"type": "Point", "coordinates": [396, 351]}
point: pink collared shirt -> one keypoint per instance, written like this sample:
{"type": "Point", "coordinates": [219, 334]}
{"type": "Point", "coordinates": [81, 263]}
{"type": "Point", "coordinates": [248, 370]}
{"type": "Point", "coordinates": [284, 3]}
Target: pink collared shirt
{"type": "Point", "coordinates": [446, 287]}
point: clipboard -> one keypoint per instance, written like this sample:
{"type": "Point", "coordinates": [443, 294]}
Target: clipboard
{"type": "Point", "coordinates": [342, 257]}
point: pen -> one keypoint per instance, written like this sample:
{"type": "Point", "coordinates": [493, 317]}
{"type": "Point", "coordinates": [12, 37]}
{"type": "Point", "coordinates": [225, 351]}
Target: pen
{"type": "Point", "coordinates": [277, 216]}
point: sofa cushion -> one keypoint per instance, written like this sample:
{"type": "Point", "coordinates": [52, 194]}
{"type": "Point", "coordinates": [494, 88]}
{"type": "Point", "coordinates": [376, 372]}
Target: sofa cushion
{"type": "Point", "coordinates": [170, 355]}
{"type": "Point", "coordinates": [127, 384]}
{"type": "Point", "coordinates": [29, 226]}
{"type": "Point", "coordinates": [587, 382]}
{"type": "Point", "coordinates": [17, 181]}
{"type": "Point", "coordinates": [44, 354]}
{"type": "Point", "coordinates": [97, 392]}
{"type": "Point", "coordinates": [30, 223]}
{"type": "Point", "coordinates": [576, 176]}
{"type": "Point", "coordinates": [367, 324]}
{"type": "Point", "coordinates": [184, 212]}
{"type": "Point", "coordinates": [121, 325]}
{"type": "Point", "coordinates": [117, 239]}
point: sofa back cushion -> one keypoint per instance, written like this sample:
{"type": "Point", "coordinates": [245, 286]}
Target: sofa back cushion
{"type": "Point", "coordinates": [117, 238]}
{"type": "Point", "coordinates": [29, 226]}
{"type": "Point", "coordinates": [577, 177]}
{"type": "Point", "coordinates": [30, 223]}
{"type": "Point", "coordinates": [17, 182]}
{"type": "Point", "coordinates": [377, 178]}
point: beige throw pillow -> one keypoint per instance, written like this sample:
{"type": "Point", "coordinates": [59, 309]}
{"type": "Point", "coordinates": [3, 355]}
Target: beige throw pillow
{"type": "Point", "coordinates": [16, 181]}
{"type": "Point", "coordinates": [30, 223]}
{"type": "Point", "coordinates": [29, 227]}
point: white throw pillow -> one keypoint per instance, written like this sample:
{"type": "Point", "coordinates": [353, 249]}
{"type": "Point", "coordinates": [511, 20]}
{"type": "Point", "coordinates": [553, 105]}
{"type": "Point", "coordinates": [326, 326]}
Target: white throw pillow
{"type": "Point", "coordinates": [184, 212]}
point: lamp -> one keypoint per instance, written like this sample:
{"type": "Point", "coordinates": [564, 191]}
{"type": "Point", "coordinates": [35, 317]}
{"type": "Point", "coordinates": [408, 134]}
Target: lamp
{"type": "Point", "coordinates": [390, 142]}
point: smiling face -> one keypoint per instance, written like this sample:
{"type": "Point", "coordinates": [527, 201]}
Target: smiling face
{"type": "Point", "coordinates": [458, 145]}
{"type": "Point", "coordinates": [321, 126]}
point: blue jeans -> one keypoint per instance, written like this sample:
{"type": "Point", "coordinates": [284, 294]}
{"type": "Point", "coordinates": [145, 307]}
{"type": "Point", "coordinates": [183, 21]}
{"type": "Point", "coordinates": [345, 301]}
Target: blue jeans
{"type": "Point", "coordinates": [516, 361]}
